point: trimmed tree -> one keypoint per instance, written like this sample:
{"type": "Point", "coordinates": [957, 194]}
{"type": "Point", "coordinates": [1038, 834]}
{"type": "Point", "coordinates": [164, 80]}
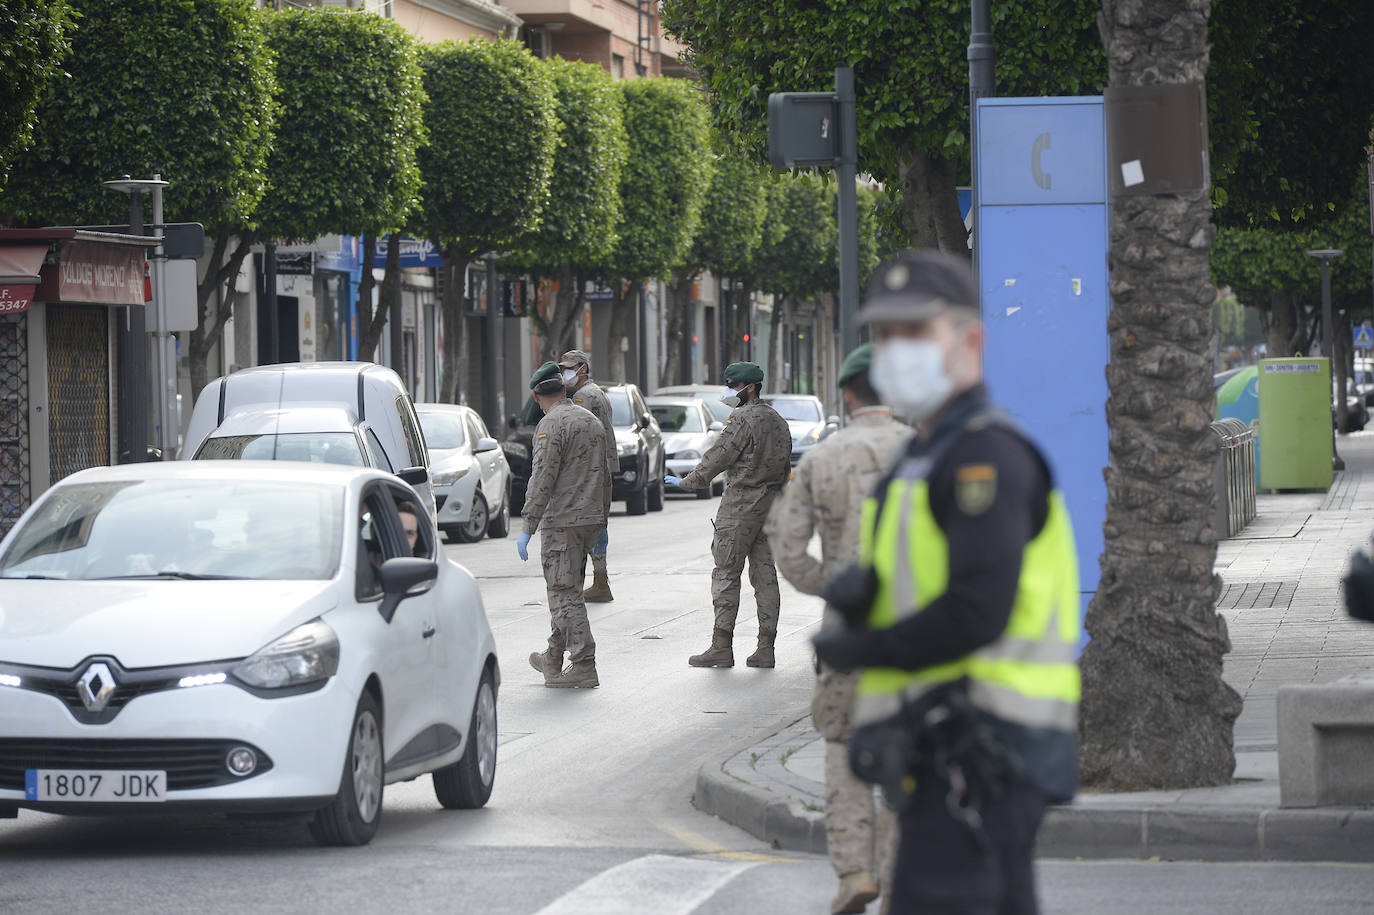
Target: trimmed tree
{"type": "Point", "coordinates": [493, 131]}
{"type": "Point", "coordinates": [578, 230]}
{"type": "Point", "coordinates": [35, 36]}
{"type": "Point", "coordinates": [909, 60]}
{"type": "Point", "coordinates": [1157, 640]}
{"type": "Point", "coordinates": [662, 189]}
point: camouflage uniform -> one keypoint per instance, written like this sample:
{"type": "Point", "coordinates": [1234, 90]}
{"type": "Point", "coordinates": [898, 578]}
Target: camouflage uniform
{"type": "Point", "coordinates": [590, 397]}
{"type": "Point", "coordinates": [754, 451]}
{"type": "Point", "coordinates": [569, 497]}
{"type": "Point", "coordinates": [827, 490]}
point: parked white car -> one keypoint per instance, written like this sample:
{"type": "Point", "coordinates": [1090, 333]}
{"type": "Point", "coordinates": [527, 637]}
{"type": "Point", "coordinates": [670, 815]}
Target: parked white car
{"type": "Point", "coordinates": [238, 636]}
{"type": "Point", "coordinates": [469, 472]}
{"type": "Point", "coordinates": [688, 431]}
{"type": "Point", "coordinates": [806, 420]}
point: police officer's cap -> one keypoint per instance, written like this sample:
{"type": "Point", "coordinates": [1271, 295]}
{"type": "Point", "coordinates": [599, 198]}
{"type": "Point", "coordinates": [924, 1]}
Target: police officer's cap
{"type": "Point", "coordinates": [915, 286]}
{"type": "Point", "coordinates": [547, 379]}
{"type": "Point", "coordinates": [857, 363]}
{"type": "Point", "coordinates": [743, 373]}
{"type": "Point", "coordinates": [575, 357]}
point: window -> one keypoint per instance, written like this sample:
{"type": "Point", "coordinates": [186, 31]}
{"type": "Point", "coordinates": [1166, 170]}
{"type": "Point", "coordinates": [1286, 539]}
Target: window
{"type": "Point", "coordinates": [312, 447]}
{"type": "Point", "coordinates": [797, 410]}
{"type": "Point", "coordinates": [620, 408]}
{"type": "Point", "coordinates": [414, 444]}
{"type": "Point", "coordinates": [443, 429]}
{"type": "Point", "coordinates": [678, 418]}
{"type": "Point", "coordinates": [617, 66]}
{"type": "Point", "coordinates": [379, 458]}
{"type": "Point", "coordinates": [475, 433]}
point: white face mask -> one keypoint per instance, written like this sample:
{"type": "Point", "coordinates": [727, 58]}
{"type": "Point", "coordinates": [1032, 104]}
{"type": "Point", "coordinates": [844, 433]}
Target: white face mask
{"type": "Point", "coordinates": [570, 377]}
{"type": "Point", "coordinates": [730, 398]}
{"type": "Point", "coordinates": [910, 377]}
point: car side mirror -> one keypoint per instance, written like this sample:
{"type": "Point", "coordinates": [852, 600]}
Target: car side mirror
{"type": "Point", "coordinates": [832, 420]}
{"type": "Point", "coordinates": [402, 577]}
{"type": "Point", "coordinates": [415, 476]}
{"type": "Point", "coordinates": [485, 444]}
{"type": "Point", "coordinates": [716, 426]}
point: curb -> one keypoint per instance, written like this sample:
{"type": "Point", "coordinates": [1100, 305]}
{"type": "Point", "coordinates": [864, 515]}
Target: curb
{"type": "Point", "coordinates": [1200, 833]}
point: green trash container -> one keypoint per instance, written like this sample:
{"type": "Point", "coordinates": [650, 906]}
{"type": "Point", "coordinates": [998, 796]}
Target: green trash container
{"type": "Point", "coordinates": [1295, 423]}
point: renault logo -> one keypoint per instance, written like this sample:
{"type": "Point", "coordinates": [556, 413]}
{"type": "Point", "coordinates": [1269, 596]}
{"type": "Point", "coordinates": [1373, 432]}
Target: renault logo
{"type": "Point", "coordinates": [95, 687]}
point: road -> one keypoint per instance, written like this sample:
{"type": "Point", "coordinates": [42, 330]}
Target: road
{"type": "Point", "coordinates": [592, 807]}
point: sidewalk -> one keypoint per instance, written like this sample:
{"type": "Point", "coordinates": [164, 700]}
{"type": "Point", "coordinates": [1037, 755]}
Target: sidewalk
{"type": "Point", "coordinates": [1281, 598]}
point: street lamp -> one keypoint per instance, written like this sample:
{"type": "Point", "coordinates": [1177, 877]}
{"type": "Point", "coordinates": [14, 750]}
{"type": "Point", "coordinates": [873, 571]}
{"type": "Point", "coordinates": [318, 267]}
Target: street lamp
{"type": "Point", "coordinates": [1326, 255]}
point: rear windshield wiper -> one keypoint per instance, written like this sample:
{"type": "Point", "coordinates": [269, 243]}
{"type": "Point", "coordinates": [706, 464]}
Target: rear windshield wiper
{"type": "Point", "coordinates": [171, 573]}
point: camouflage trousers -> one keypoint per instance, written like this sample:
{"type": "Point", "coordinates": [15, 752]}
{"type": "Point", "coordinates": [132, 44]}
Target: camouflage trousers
{"type": "Point", "coordinates": [736, 541]}
{"type": "Point", "coordinates": [563, 553]}
{"type": "Point", "coordinates": [860, 830]}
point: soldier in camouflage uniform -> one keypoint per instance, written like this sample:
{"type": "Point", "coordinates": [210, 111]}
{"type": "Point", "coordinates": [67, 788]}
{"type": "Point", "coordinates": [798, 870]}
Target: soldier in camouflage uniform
{"type": "Point", "coordinates": [577, 376]}
{"type": "Point", "coordinates": [755, 452]}
{"type": "Point", "coordinates": [827, 491]}
{"type": "Point", "coordinates": [569, 496]}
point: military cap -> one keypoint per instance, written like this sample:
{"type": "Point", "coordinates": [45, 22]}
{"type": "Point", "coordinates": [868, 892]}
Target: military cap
{"type": "Point", "coordinates": [743, 373]}
{"type": "Point", "coordinates": [547, 379]}
{"type": "Point", "coordinates": [575, 357]}
{"type": "Point", "coordinates": [916, 286]}
{"type": "Point", "coordinates": [856, 363]}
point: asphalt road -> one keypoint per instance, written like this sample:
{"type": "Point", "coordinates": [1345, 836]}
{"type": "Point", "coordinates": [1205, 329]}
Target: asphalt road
{"type": "Point", "coordinates": [592, 807]}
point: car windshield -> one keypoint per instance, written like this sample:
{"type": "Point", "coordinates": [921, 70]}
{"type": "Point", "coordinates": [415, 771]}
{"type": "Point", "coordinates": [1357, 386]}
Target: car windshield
{"type": "Point", "coordinates": [443, 430]}
{"type": "Point", "coordinates": [804, 411]}
{"type": "Point", "coordinates": [677, 417]}
{"type": "Point", "coordinates": [620, 408]}
{"type": "Point", "coordinates": [180, 529]}
{"type": "Point", "coordinates": [314, 447]}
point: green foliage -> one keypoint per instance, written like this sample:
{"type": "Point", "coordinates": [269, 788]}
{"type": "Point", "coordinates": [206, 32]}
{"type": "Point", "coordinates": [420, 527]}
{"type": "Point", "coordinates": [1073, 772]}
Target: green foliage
{"type": "Point", "coordinates": [583, 212]}
{"type": "Point", "coordinates": [350, 123]}
{"type": "Point", "coordinates": [802, 262]}
{"type": "Point", "coordinates": [1289, 94]}
{"type": "Point", "coordinates": [665, 179]}
{"type": "Point", "coordinates": [35, 36]}
{"type": "Point", "coordinates": [909, 60]}
{"type": "Point", "coordinates": [731, 217]}
{"type": "Point", "coordinates": [181, 88]}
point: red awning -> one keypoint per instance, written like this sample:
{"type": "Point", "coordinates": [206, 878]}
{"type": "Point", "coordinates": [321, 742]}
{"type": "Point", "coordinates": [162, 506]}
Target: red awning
{"type": "Point", "coordinates": [19, 266]}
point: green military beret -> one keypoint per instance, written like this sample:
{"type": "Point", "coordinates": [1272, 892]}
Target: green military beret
{"type": "Point", "coordinates": [546, 373]}
{"type": "Point", "coordinates": [856, 363]}
{"type": "Point", "coordinates": [743, 373]}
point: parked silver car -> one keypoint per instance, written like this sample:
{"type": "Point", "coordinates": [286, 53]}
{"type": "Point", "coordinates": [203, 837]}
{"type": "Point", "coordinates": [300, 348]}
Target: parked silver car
{"type": "Point", "coordinates": [469, 471]}
{"type": "Point", "coordinates": [708, 394]}
{"type": "Point", "coordinates": [688, 431]}
{"type": "Point", "coordinates": [806, 419]}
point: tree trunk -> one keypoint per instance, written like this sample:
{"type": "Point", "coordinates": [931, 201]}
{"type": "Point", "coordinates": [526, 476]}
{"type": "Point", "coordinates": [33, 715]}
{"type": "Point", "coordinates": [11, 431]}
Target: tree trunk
{"type": "Point", "coordinates": [773, 380]}
{"type": "Point", "coordinates": [1341, 366]}
{"type": "Point", "coordinates": [1156, 712]}
{"type": "Point", "coordinates": [213, 307]}
{"type": "Point", "coordinates": [564, 312]}
{"type": "Point", "coordinates": [679, 307]}
{"type": "Point", "coordinates": [622, 299]}
{"type": "Point", "coordinates": [744, 314]}
{"type": "Point", "coordinates": [930, 203]}
{"type": "Point", "coordinates": [373, 323]}
{"type": "Point", "coordinates": [451, 306]}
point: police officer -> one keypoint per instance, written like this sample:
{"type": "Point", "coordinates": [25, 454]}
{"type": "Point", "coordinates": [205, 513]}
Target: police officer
{"type": "Point", "coordinates": [754, 451]}
{"type": "Point", "coordinates": [577, 377]}
{"type": "Point", "coordinates": [966, 607]}
{"type": "Point", "coordinates": [569, 496]}
{"type": "Point", "coordinates": [827, 491]}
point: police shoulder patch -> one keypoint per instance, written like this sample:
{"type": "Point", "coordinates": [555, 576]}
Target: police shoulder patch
{"type": "Point", "coordinates": [975, 488]}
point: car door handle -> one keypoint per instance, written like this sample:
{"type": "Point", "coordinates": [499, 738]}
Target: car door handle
{"type": "Point", "coordinates": [427, 632]}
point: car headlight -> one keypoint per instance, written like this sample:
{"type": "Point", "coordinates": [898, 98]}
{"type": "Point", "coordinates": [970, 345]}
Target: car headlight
{"type": "Point", "coordinates": [814, 437]}
{"type": "Point", "coordinates": [307, 654]}
{"type": "Point", "coordinates": [624, 448]}
{"type": "Point", "coordinates": [688, 455]}
{"type": "Point", "coordinates": [449, 477]}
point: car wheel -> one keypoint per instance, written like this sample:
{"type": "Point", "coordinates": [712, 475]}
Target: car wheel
{"type": "Point", "coordinates": [656, 491]}
{"type": "Point", "coordinates": [466, 784]}
{"type": "Point", "coordinates": [475, 528]}
{"type": "Point", "coordinates": [356, 811]}
{"type": "Point", "coordinates": [500, 522]}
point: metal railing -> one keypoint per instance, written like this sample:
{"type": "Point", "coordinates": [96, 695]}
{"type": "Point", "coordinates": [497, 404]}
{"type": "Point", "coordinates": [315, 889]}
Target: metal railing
{"type": "Point", "coordinates": [1234, 476]}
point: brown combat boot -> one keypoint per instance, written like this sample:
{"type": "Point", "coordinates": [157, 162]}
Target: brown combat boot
{"type": "Point", "coordinates": [579, 675]}
{"type": "Point", "coordinates": [545, 662]}
{"type": "Point", "coordinates": [600, 591]}
{"type": "Point", "coordinates": [720, 654]}
{"type": "Point", "coordinates": [856, 891]}
{"type": "Point", "coordinates": [763, 657]}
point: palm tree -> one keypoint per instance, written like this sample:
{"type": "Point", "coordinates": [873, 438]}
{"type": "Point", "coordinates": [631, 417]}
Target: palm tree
{"type": "Point", "coordinates": [1156, 712]}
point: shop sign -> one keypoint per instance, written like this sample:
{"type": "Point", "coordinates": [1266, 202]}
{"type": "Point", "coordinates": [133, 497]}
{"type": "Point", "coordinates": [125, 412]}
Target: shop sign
{"type": "Point", "coordinates": [97, 273]}
{"type": "Point", "coordinates": [15, 298]}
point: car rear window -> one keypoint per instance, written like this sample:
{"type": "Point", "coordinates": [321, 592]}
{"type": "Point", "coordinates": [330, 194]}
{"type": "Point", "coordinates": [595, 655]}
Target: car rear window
{"type": "Point", "coordinates": [311, 447]}
{"type": "Point", "coordinates": [677, 418]}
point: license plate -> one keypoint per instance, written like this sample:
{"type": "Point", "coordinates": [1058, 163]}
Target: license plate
{"type": "Point", "coordinates": [98, 785]}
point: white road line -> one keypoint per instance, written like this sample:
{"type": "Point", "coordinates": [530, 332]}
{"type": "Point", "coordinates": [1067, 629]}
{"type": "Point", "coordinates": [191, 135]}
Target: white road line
{"type": "Point", "coordinates": [662, 884]}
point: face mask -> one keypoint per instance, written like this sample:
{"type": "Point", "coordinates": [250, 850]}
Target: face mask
{"type": "Point", "coordinates": [730, 398]}
{"type": "Point", "coordinates": [910, 377]}
{"type": "Point", "coordinates": [570, 376]}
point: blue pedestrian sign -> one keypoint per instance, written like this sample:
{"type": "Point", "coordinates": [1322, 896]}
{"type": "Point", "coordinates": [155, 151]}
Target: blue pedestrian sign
{"type": "Point", "coordinates": [1364, 337]}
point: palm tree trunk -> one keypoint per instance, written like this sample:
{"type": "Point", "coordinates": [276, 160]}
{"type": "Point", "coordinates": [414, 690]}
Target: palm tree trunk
{"type": "Point", "coordinates": [1156, 712]}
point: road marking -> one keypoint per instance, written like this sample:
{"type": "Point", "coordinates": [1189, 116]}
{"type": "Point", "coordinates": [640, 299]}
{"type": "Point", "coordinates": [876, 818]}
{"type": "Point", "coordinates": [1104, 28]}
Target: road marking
{"type": "Point", "coordinates": [700, 843]}
{"type": "Point", "coordinates": [662, 884]}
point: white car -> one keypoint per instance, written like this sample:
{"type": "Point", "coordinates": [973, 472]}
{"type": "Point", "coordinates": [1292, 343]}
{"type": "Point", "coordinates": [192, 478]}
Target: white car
{"type": "Point", "coordinates": [806, 420]}
{"type": "Point", "coordinates": [469, 471]}
{"type": "Point", "coordinates": [238, 636]}
{"type": "Point", "coordinates": [688, 431]}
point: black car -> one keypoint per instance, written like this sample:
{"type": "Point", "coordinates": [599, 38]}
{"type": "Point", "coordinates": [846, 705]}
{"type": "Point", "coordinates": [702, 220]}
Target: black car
{"type": "Point", "coordinates": [639, 450]}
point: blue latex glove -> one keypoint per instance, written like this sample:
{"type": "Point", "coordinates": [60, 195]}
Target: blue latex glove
{"type": "Point", "coordinates": [672, 480]}
{"type": "Point", "coordinates": [602, 539]}
{"type": "Point", "coordinates": [522, 544]}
